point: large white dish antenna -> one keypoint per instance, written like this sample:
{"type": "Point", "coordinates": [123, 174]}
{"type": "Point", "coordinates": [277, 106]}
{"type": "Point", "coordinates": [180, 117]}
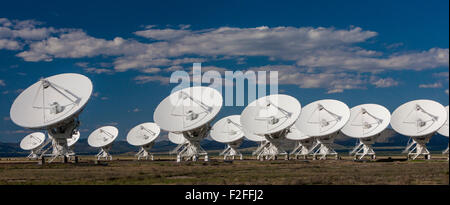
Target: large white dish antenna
{"type": "Point", "coordinates": [51, 101]}
{"type": "Point", "coordinates": [74, 139]}
{"type": "Point", "coordinates": [295, 134]}
{"type": "Point", "coordinates": [323, 117]}
{"type": "Point", "coordinates": [367, 120]}
{"type": "Point", "coordinates": [444, 129]}
{"type": "Point", "coordinates": [253, 137]}
{"type": "Point", "coordinates": [177, 138]}
{"type": "Point", "coordinates": [32, 141]}
{"type": "Point", "coordinates": [143, 134]}
{"type": "Point", "coordinates": [103, 136]}
{"type": "Point", "coordinates": [227, 129]}
{"type": "Point", "coordinates": [188, 109]}
{"type": "Point", "coordinates": [270, 114]}
{"type": "Point", "coordinates": [418, 118]}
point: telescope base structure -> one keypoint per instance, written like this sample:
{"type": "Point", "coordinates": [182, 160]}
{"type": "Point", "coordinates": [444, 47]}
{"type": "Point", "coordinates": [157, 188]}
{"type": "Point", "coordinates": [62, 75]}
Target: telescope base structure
{"type": "Point", "coordinates": [302, 149]}
{"type": "Point", "coordinates": [59, 136]}
{"type": "Point", "coordinates": [36, 153]}
{"type": "Point", "coordinates": [259, 149]}
{"type": "Point", "coordinates": [231, 152]}
{"type": "Point", "coordinates": [417, 146]}
{"type": "Point", "coordinates": [144, 152]}
{"type": "Point", "coordinates": [322, 148]}
{"type": "Point", "coordinates": [364, 148]}
{"type": "Point", "coordinates": [192, 150]}
{"type": "Point", "coordinates": [104, 153]}
{"type": "Point", "coordinates": [271, 149]}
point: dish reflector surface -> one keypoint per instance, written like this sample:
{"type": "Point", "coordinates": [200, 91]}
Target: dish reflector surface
{"type": "Point", "coordinates": [367, 120]}
{"type": "Point", "coordinates": [51, 101]}
{"type": "Point", "coordinates": [103, 136]}
{"type": "Point", "coordinates": [188, 109]}
{"type": "Point", "coordinates": [74, 139]}
{"type": "Point", "coordinates": [177, 138]}
{"type": "Point", "coordinates": [444, 129]}
{"type": "Point", "coordinates": [270, 114]}
{"type": "Point", "coordinates": [323, 117]}
{"type": "Point", "coordinates": [295, 134]}
{"type": "Point", "coordinates": [227, 129]}
{"type": "Point", "coordinates": [418, 118]}
{"type": "Point", "coordinates": [143, 134]}
{"type": "Point", "coordinates": [32, 141]}
{"type": "Point", "coordinates": [253, 137]}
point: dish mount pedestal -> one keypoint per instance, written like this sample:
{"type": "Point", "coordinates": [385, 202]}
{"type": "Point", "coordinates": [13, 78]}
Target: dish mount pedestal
{"type": "Point", "coordinates": [271, 149]}
{"type": "Point", "coordinates": [231, 151]}
{"type": "Point", "coordinates": [302, 148]}
{"type": "Point", "coordinates": [364, 148]}
{"type": "Point", "coordinates": [322, 147]}
{"type": "Point", "coordinates": [144, 152]}
{"type": "Point", "coordinates": [59, 136]}
{"type": "Point", "coordinates": [104, 153]}
{"type": "Point", "coordinates": [417, 146]}
{"type": "Point", "coordinates": [192, 150]}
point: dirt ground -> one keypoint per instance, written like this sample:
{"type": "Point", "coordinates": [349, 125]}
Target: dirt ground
{"type": "Point", "coordinates": [164, 170]}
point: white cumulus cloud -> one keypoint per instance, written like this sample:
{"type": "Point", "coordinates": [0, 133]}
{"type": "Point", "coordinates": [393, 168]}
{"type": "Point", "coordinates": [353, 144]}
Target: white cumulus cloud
{"type": "Point", "coordinates": [432, 85]}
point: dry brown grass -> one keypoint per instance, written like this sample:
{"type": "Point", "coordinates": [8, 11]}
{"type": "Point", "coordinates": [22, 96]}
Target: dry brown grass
{"type": "Point", "coordinates": [126, 170]}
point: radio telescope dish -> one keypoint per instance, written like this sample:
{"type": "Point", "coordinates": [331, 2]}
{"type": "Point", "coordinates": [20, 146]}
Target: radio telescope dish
{"type": "Point", "coordinates": [144, 136]}
{"type": "Point", "coordinates": [444, 129]}
{"type": "Point", "coordinates": [34, 142]}
{"type": "Point", "coordinates": [177, 138]}
{"type": "Point", "coordinates": [74, 139]}
{"type": "Point", "coordinates": [51, 101]}
{"type": "Point", "coordinates": [253, 137]}
{"type": "Point", "coordinates": [271, 116]}
{"type": "Point", "coordinates": [323, 117]}
{"type": "Point", "coordinates": [322, 120]}
{"type": "Point", "coordinates": [228, 130]}
{"type": "Point", "coordinates": [53, 104]}
{"type": "Point", "coordinates": [189, 111]}
{"type": "Point", "coordinates": [418, 119]}
{"type": "Point", "coordinates": [103, 138]}
{"type": "Point", "coordinates": [366, 122]}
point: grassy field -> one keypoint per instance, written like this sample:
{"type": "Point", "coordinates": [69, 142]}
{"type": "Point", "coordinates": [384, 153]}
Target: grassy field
{"type": "Point", "coordinates": [164, 170]}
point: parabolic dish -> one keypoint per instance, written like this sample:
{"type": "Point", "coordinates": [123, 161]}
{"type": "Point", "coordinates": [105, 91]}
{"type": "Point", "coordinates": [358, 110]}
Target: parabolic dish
{"type": "Point", "coordinates": [227, 129]}
{"type": "Point", "coordinates": [253, 137]}
{"type": "Point", "coordinates": [188, 109]}
{"type": "Point", "coordinates": [270, 114]}
{"type": "Point", "coordinates": [444, 129]}
{"type": "Point", "coordinates": [32, 141]}
{"type": "Point", "coordinates": [103, 136]}
{"type": "Point", "coordinates": [74, 139]}
{"type": "Point", "coordinates": [295, 134]}
{"type": "Point", "coordinates": [418, 118]}
{"type": "Point", "coordinates": [367, 120]}
{"type": "Point", "coordinates": [323, 117]}
{"type": "Point", "coordinates": [143, 134]}
{"type": "Point", "coordinates": [51, 101]}
{"type": "Point", "coordinates": [177, 138]}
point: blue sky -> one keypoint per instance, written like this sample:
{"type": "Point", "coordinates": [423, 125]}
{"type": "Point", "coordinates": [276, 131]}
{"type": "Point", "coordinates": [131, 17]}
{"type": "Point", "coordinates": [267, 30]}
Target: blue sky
{"type": "Point", "coordinates": [384, 52]}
